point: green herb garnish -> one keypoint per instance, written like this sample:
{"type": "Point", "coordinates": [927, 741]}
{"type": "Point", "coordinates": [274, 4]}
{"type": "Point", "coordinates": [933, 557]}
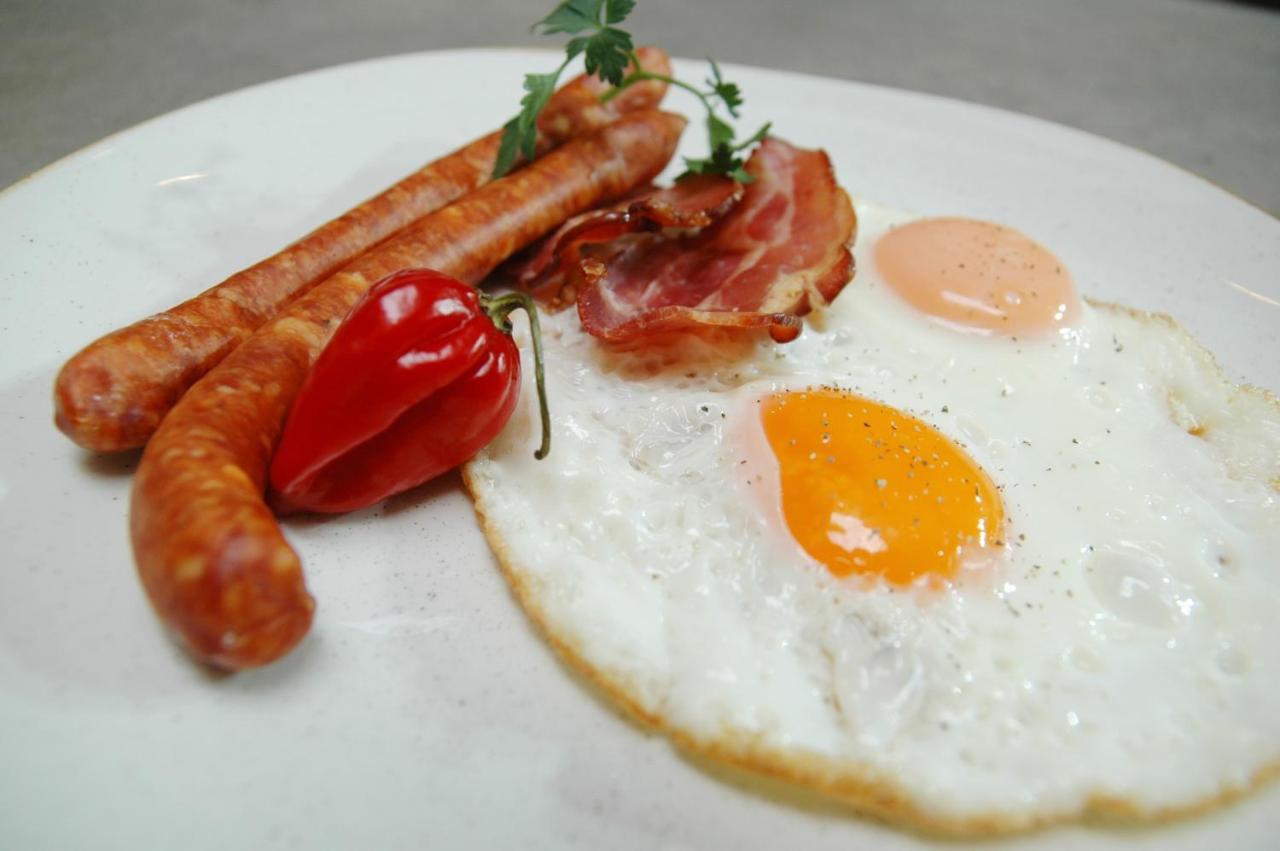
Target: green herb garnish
{"type": "Point", "coordinates": [607, 52]}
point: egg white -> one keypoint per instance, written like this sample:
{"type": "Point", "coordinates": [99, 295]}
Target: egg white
{"type": "Point", "coordinates": [1120, 653]}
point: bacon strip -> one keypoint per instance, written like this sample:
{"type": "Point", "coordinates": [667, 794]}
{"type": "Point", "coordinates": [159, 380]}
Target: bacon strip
{"type": "Point", "coordinates": [694, 202]}
{"type": "Point", "coordinates": [113, 394]}
{"type": "Point", "coordinates": [779, 253]}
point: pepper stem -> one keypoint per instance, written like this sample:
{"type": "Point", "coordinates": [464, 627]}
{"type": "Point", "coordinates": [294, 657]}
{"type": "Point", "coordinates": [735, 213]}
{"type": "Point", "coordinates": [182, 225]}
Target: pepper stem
{"type": "Point", "coordinates": [499, 310]}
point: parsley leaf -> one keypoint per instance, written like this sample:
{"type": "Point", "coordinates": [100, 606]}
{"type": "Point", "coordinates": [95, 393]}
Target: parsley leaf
{"type": "Point", "coordinates": [616, 11]}
{"type": "Point", "coordinates": [721, 161]}
{"type": "Point", "coordinates": [508, 147]}
{"type": "Point", "coordinates": [520, 134]}
{"type": "Point", "coordinates": [719, 133]}
{"type": "Point", "coordinates": [572, 17]}
{"type": "Point", "coordinates": [729, 93]}
{"type": "Point", "coordinates": [607, 52]}
{"type": "Point", "coordinates": [725, 155]}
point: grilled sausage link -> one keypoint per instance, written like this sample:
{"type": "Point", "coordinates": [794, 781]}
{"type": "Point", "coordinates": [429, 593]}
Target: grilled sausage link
{"type": "Point", "coordinates": [114, 392]}
{"type": "Point", "coordinates": [209, 553]}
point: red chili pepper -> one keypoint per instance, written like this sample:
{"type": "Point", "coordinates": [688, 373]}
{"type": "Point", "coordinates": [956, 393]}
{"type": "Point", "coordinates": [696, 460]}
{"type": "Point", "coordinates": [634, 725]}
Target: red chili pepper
{"type": "Point", "coordinates": [420, 376]}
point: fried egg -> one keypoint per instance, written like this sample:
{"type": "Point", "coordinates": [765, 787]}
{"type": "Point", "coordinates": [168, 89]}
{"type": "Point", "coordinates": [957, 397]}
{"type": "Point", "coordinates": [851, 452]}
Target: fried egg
{"type": "Point", "coordinates": [972, 554]}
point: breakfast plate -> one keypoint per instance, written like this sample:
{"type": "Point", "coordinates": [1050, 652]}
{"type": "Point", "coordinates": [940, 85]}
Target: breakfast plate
{"type": "Point", "coordinates": [424, 708]}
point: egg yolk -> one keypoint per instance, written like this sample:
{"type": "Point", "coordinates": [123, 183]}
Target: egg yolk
{"type": "Point", "coordinates": [868, 489]}
{"type": "Point", "coordinates": [977, 276]}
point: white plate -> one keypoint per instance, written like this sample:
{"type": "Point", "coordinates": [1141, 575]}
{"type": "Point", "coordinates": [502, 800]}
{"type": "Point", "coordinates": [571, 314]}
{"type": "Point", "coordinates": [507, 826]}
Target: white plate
{"type": "Point", "coordinates": [423, 709]}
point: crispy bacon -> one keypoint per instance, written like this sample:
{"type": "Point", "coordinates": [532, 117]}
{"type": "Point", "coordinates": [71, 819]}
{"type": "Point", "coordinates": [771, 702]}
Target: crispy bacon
{"type": "Point", "coordinates": [694, 202]}
{"type": "Point", "coordinates": [778, 253]}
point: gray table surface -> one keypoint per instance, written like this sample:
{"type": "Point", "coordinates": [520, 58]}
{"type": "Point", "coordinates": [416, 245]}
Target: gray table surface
{"type": "Point", "coordinates": [1196, 82]}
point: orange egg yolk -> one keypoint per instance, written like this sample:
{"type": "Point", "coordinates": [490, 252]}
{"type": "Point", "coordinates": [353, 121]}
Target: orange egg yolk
{"type": "Point", "coordinates": [977, 276]}
{"type": "Point", "coordinates": [869, 489]}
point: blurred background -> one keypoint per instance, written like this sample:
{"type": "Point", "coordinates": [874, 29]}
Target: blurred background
{"type": "Point", "coordinates": [1196, 82]}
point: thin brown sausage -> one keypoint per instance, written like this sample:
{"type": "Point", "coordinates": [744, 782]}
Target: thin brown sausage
{"type": "Point", "coordinates": [210, 555]}
{"type": "Point", "coordinates": [114, 392]}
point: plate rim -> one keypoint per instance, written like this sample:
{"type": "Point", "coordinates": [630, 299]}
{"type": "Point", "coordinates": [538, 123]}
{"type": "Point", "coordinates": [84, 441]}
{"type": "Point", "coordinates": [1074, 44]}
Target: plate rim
{"type": "Point", "coordinates": [1002, 112]}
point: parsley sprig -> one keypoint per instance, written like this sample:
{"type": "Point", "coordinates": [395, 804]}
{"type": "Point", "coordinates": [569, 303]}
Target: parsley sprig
{"type": "Point", "coordinates": [607, 52]}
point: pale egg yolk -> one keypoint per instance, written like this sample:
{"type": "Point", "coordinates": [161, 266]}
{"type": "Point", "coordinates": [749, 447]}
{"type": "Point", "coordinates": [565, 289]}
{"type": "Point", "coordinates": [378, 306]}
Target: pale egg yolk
{"type": "Point", "coordinates": [868, 489]}
{"type": "Point", "coordinates": [977, 276]}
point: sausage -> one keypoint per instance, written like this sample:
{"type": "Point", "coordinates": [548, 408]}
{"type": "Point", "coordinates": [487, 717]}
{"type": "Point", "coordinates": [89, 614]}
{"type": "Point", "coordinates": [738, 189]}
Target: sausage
{"type": "Point", "coordinates": [575, 109]}
{"type": "Point", "coordinates": [209, 553]}
{"type": "Point", "coordinates": [113, 393]}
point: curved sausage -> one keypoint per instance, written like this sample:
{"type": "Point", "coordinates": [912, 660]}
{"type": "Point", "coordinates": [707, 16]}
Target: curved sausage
{"type": "Point", "coordinates": [575, 109]}
{"type": "Point", "coordinates": [114, 392]}
{"type": "Point", "coordinates": [210, 555]}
